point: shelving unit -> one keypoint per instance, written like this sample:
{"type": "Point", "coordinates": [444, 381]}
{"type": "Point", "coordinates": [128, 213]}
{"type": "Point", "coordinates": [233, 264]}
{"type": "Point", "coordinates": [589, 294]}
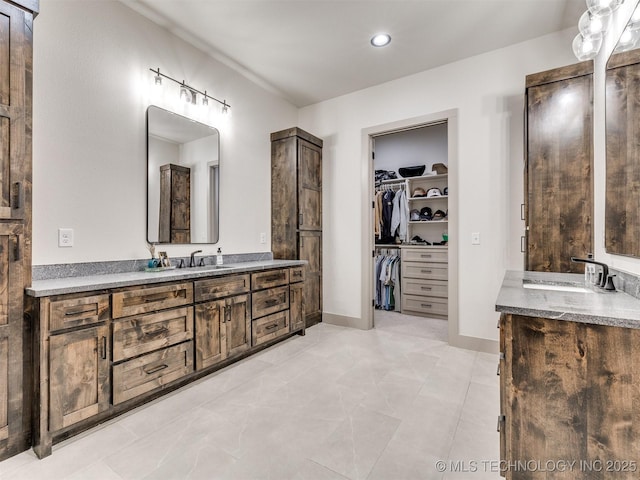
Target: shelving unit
{"type": "Point", "coordinates": [430, 230]}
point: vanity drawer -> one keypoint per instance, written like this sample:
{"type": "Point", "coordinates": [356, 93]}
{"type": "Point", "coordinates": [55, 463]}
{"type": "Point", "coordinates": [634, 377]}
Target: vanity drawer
{"type": "Point", "coordinates": [269, 301]}
{"type": "Point", "coordinates": [148, 299]}
{"type": "Point", "coordinates": [78, 312]}
{"type": "Point", "coordinates": [433, 288]}
{"type": "Point", "coordinates": [269, 327]}
{"type": "Point", "coordinates": [134, 336]}
{"type": "Point", "coordinates": [269, 279]}
{"type": "Point", "coordinates": [296, 275]}
{"type": "Point", "coordinates": [214, 288]}
{"type": "Point", "coordinates": [426, 305]}
{"type": "Point", "coordinates": [149, 372]}
{"type": "Point", "coordinates": [431, 271]}
{"type": "Point", "coordinates": [425, 255]}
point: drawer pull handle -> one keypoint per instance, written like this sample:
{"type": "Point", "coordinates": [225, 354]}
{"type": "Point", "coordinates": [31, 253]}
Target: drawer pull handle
{"type": "Point", "coordinates": [271, 327]}
{"type": "Point", "coordinates": [501, 419]}
{"type": "Point", "coordinates": [426, 305]}
{"type": "Point", "coordinates": [73, 313]}
{"type": "Point", "coordinates": [498, 370]}
{"type": "Point", "coordinates": [272, 302]}
{"type": "Point", "coordinates": [426, 288]}
{"type": "Point", "coordinates": [426, 271]}
{"type": "Point", "coordinates": [157, 331]}
{"type": "Point", "coordinates": [426, 256]}
{"type": "Point", "coordinates": [155, 369]}
{"type": "Point", "coordinates": [18, 195]}
{"type": "Point", "coordinates": [104, 348]}
{"type": "Point", "coordinates": [273, 278]}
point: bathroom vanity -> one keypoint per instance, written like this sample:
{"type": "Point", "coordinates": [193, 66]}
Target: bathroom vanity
{"type": "Point", "coordinates": [105, 344]}
{"type": "Point", "coordinates": [569, 378]}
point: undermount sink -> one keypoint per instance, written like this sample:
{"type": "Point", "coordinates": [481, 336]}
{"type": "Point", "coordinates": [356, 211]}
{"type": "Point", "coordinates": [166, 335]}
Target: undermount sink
{"type": "Point", "coordinates": [557, 288]}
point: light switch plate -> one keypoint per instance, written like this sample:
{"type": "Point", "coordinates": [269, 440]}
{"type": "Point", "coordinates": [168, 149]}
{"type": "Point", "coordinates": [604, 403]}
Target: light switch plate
{"type": "Point", "coordinates": [263, 237]}
{"type": "Point", "coordinates": [475, 238]}
{"type": "Point", "coordinates": [65, 237]}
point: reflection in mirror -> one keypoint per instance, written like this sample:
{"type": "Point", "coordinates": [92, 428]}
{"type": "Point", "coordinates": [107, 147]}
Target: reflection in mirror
{"type": "Point", "coordinates": [622, 104]}
{"type": "Point", "coordinates": [183, 179]}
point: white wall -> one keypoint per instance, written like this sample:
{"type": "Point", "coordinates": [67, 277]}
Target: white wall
{"type": "Point", "coordinates": [488, 93]}
{"type": "Point", "coordinates": [91, 81]}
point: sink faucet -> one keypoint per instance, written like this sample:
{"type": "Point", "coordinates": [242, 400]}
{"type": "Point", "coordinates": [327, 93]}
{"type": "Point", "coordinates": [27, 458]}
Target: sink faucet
{"type": "Point", "coordinates": [604, 280]}
{"type": "Point", "coordinates": [192, 262]}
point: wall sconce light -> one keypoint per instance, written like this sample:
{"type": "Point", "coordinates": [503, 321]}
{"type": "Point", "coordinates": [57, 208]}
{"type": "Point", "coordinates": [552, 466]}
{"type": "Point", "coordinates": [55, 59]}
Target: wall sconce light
{"type": "Point", "coordinates": [630, 37]}
{"type": "Point", "coordinates": [592, 25]}
{"type": "Point", "coordinates": [188, 94]}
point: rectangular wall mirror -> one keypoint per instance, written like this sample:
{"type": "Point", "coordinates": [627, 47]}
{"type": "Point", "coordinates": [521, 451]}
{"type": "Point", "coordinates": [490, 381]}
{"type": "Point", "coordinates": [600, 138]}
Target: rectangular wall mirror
{"type": "Point", "coordinates": [183, 179]}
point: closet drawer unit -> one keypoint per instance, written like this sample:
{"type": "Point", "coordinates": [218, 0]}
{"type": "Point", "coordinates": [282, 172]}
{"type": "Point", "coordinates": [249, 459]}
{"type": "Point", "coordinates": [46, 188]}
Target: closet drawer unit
{"type": "Point", "coordinates": [134, 336]}
{"type": "Point", "coordinates": [426, 305]}
{"type": "Point", "coordinates": [149, 372]}
{"type": "Point", "coordinates": [214, 288]}
{"type": "Point", "coordinates": [149, 299]}
{"type": "Point", "coordinates": [425, 255]}
{"type": "Point", "coordinates": [269, 327]}
{"type": "Point", "coordinates": [78, 312]}
{"type": "Point", "coordinates": [269, 301]}
{"type": "Point", "coordinates": [296, 275]}
{"type": "Point", "coordinates": [429, 271]}
{"type": "Point", "coordinates": [269, 279]}
{"type": "Point", "coordinates": [432, 288]}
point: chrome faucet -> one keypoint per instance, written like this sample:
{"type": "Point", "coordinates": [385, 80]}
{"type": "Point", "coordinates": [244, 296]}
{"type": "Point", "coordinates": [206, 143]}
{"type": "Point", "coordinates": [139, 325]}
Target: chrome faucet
{"type": "Point", "coordinates": [604, 279]}
{"type": "Point", "coordinates": [192, 262]}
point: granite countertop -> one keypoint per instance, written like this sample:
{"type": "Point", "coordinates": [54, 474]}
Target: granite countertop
{"type": "Point", "coordinates": [87, 283]}
{"type": "Point", "coordinates": [594, 306]}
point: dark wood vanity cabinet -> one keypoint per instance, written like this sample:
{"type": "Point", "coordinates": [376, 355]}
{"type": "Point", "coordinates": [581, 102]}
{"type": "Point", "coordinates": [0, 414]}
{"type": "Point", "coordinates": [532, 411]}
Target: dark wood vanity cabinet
{"type": "Point", "coordinates": [559, 168]}
{"type": "Point", "coordinates": [175, 204]}
{"type": "Point", "coordinates": [296, 208]}
{"type": "Point", "coordinates": [16, 70]}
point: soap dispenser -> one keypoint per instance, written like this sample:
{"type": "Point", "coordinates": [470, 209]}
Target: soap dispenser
{"type": "Point", "coordinates": [219, 258]}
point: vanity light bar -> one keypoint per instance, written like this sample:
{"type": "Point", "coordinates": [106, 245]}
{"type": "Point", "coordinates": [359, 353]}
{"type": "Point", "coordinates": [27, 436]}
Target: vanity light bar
{"type": "Point", "coordinates": [205, 97]}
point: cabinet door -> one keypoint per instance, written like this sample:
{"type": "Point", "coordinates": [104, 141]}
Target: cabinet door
{"type": "Point", "coordinates": [211, 344]}
{"type": "Point", "coordinates": [559, 174]}
{"type": "Point", "coordinates": [310, 248]}
{"type": "Point", "coordinates": [78, 375]}
{"type": "Point", "coordinates": [296, 308]}
{"type": "Point", "coordinates": [15, 55]}
{"type": "Point", "coordinates": [309, 186]}
{"type": "Point", "coordinates": [238, 324]}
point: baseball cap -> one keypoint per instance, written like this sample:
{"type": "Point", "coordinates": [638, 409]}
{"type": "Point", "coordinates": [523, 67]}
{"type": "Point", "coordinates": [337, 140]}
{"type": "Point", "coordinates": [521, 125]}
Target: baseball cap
{"type": "Point", "coordinates": [434, 192]}
{"type": "Point", "coordinates": [419, 192]}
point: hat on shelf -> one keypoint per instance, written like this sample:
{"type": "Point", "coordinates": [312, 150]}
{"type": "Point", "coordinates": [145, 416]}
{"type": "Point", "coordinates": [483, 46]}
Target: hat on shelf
{"type": "Point", "coordinates": [414, 215]}
{"type": "Point", "coordinates": [445, 191]}
{"type": "Point", "coordinates": [439, 168]}
{"type": "Point", "coordinates": [434, 192]}
{"type": "Point", "coordinates": [415, 171]}
{"type": "Point", "coordinates": [426, 213]}
{"type": "Point", "coordinates": [418, 192]}
{"type": "Point", "coordinates": [418, 239]}
{"type": "Point", "coordinates": [439, 215]}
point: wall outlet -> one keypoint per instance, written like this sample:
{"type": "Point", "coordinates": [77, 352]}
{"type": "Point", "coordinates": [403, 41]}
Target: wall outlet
{"type": "Point", "coordinates": [65, 237]}
{"type": "Point", "coordinates": [475, 238]}
{"type": "Point", "coordinates": [263, 237]}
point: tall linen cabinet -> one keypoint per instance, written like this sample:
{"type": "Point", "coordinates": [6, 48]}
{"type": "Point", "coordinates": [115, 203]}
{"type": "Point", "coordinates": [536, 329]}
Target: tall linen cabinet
{"type": "Point", "coordinates": [559, 168]}
{"type": "Point", "coordinates": [16, 69]}
{"type": "Point", "coordinates": [296, 209]}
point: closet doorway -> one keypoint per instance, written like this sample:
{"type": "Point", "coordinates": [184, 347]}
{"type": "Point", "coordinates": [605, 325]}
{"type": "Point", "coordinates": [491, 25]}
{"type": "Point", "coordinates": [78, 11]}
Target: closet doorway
{"type": "Point", "coordinates": [412, 268]}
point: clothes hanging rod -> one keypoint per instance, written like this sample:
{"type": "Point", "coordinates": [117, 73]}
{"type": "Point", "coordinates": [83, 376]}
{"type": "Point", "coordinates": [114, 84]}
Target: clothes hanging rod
{"type": "Point", "coordinates": [183, 84]}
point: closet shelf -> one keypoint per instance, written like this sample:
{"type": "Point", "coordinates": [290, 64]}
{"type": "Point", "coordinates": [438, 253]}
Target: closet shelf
{"type": "Point", "coordinates": [392, 181]}
{"type": "Point", "coordinates": [414, 199]}
{"type": "Point", "coordinates": [427, 222]}
{"type": "Point", "coordinates": [428, 177]}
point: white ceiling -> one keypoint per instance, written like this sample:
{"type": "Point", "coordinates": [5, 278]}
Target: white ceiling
{"type": "Point", "coordinates": [312, 50]}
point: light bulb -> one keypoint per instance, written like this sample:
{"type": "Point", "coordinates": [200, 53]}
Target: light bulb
{"type": "Point", "coordinates": [603, 7]}
{"type": "Point", "coordinates": [628, 40]}
{"type": "Point", "coordinates": [592, 25]}
{"type": "Point", "coordinates": [586, 48]}
{"type": "Point", "coordinates": [381, 39]}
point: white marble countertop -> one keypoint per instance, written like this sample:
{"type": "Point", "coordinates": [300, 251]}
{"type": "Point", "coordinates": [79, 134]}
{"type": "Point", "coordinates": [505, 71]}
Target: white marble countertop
{"type": "Point", "coordinates": [594, 306]}
{"type": "Point", "coordinates": [87, 283]}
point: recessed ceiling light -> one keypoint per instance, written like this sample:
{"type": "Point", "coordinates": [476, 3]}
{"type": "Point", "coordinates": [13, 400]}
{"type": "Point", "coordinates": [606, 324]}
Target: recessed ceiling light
{"type": "Point", "coordinates": [380, 39]}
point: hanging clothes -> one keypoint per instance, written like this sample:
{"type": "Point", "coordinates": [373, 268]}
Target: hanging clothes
{"type": "Point", "coordinates": [400, 215]}
{"type": "Point", "coordinates": [387, 212]}
{"type": "Point", "coordinates": [387, 280]}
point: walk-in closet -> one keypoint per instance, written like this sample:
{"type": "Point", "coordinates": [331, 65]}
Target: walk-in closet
{"type": "Point", "coordinates": [410, 221]}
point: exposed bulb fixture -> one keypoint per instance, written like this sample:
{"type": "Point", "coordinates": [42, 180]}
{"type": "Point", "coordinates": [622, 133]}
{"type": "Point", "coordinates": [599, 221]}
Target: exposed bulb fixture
{"type": "Point", "coordinates": [628, 40]}
{"type": "Point", "coordinates": [188, 94]}
{"type": "Point", "coordinates": [205, 100]}
{"type": "Point", "coordinates": [158, 79]}
{"type": "Point", "coordinates": [591, 25]}
{"type": "Point", "coordinates": [603, 7]}
{"type": "Point", "coordinates": [225, 107]}
{"type": "Point", "coordinates": [380, 39]}
{"type": "Point", "coordinates": [586, 48]}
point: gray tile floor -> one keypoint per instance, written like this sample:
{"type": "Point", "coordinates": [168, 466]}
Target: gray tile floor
{"type": "Point", "coordinates": [339, 403]}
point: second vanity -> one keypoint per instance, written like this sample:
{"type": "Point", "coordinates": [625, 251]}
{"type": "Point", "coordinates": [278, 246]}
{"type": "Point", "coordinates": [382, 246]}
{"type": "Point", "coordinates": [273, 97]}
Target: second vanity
{"type": "Point", "coordinates": [569, 379]}
{"type": "Point", "coordinates": [105, 344]}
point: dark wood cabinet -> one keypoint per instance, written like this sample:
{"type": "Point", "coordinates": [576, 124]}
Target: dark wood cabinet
{"type": "Point", "coordinates": [16, 70]}
{"type": "Point", "coordinates": [296, 208]}
{"type": "Point", "coordinates": [175, 204]}
{"type": "Point", "coordinates": [559, 168]}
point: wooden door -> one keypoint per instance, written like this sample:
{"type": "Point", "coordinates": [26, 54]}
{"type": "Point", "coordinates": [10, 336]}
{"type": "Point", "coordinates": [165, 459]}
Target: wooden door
{"type": "Point", "coordinates": [211, 342]}
{"type": "Point", "coordinates": [559, 173]}
{"type": "Point", "coordinates": [310, 248]}
{"type": "Point", "coordinates": [78, 375]}
{"type": "Point", "coordinates": [309, 186]}
{"type": "Point", "coordinates": [175, 204]}
{"type": "Point", "coordinates": [15, 57]}
{"type": "Point", "coordinates": [238, 324]}
{"type": "Point", "coordinates": [296, 308]}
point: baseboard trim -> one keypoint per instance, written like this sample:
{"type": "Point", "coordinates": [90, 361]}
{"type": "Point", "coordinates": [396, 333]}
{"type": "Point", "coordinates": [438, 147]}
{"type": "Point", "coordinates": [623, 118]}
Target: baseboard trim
{"type": "Point", "coordinates": [344, 321]}
{"type": "Point", "coordinates": [474, 343]}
